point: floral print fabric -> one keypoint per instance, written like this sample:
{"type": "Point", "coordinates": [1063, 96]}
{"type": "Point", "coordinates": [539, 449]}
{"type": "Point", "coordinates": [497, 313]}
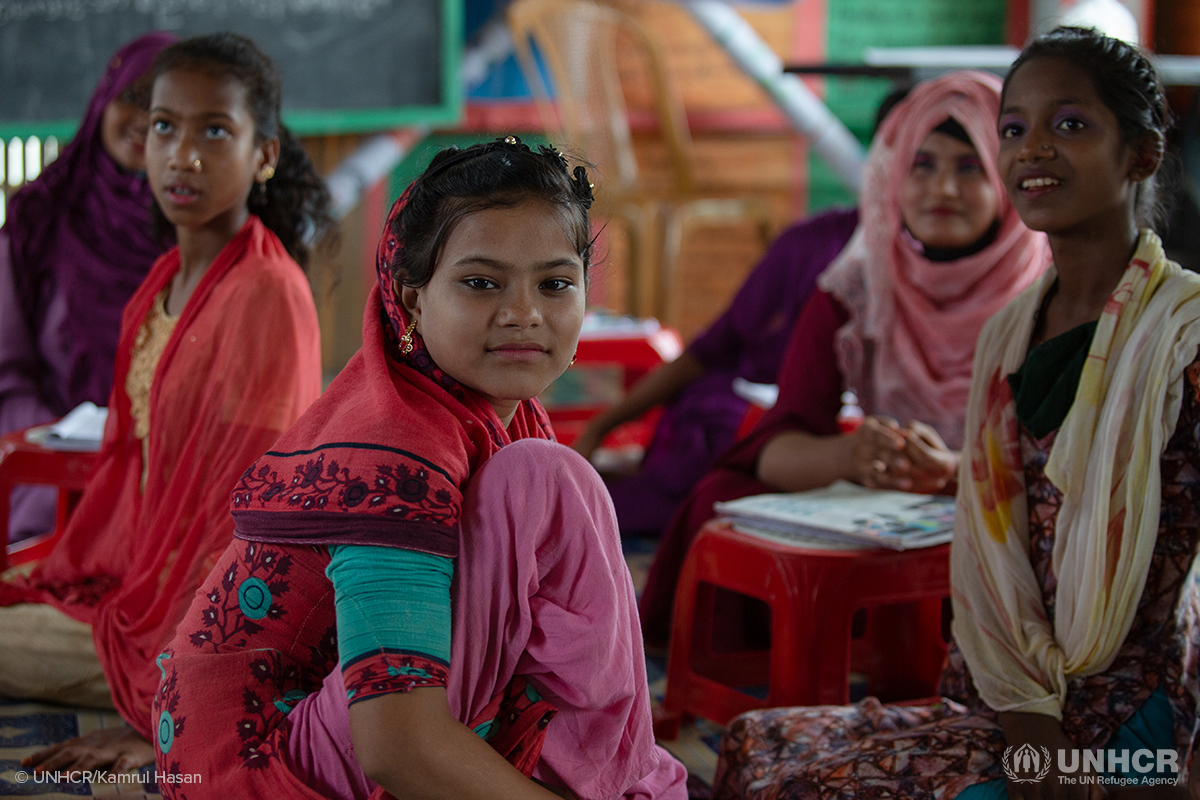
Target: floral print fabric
{"type": "Point", "coordinates": [261, 639]}
{"type": "Point", "coordinates": [873, 751]}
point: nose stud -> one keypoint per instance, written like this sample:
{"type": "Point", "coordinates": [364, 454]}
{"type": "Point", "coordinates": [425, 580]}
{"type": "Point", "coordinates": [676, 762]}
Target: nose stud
{"type": "Point", "coordinates": [196, 164]}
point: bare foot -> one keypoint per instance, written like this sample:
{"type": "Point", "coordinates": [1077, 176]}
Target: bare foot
{"type": "Point", "coordinates": [116, 749]}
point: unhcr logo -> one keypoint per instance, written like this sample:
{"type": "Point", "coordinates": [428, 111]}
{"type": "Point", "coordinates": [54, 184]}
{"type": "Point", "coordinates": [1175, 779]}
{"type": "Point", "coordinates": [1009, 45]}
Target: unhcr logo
{"type": "Point", "coordinates": [1026, 764]}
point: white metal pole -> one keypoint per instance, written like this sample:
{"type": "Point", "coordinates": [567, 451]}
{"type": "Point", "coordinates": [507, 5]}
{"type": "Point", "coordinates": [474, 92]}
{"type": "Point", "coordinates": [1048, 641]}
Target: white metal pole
{"type": "Point", "coordinates": [826, 134]}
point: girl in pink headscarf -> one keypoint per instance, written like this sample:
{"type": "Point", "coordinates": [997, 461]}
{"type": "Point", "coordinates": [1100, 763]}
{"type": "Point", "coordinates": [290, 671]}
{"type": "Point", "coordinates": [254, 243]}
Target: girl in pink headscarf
{"type": "Point", "coordinates": [939, 249]}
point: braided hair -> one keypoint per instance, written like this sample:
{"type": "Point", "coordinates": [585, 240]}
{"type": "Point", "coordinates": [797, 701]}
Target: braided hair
{"type": "Point", "coordinates": [295, 203]}
{"type": "Point", "coordinates": [1125, 81]}
{"type": "Point", "coordinates": [498, 174]}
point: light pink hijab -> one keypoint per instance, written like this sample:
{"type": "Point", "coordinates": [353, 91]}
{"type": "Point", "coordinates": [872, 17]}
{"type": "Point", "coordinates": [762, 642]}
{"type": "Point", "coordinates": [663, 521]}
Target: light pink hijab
{"type": "Point", "coordinates": [908, 346]}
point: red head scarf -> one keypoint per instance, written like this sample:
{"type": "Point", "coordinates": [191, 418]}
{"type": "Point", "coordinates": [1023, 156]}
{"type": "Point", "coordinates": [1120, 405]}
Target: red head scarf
{"type": "Point", "coordinates": [382, 456]}
{"type": "Point", "coordinates": [917, 318]}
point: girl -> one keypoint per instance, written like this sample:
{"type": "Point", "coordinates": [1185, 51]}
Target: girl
{"type": "Point", "coordinates": [77, 242]}
{"type": "Point", "coordinates": [425, 466]}
{"type": "Point", "coordinates": [939, 250]}
{"type": "Point", "coordinates": [219, 354]}
{"type": "Point", "coordinates": [1077, 519]}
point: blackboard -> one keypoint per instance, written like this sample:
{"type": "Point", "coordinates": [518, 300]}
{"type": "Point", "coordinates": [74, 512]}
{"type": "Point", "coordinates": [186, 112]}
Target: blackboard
{"type": "Point", "coordinates": [347, 65]}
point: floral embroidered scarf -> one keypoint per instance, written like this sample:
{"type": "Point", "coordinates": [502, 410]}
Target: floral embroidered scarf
{"type": "Point", "coordinates": [381, 458]}
{"type": "Point", "coordinates": [1105, 461]}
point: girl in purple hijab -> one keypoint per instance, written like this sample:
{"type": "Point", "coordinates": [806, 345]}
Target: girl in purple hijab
{"type": "Point", "coordinates": [77, 242]}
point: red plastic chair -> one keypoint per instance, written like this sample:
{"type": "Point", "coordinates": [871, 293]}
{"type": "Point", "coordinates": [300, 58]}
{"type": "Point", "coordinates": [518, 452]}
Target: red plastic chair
{"type": "Point", "coordinates": [23, 462]}
{"type": "Point", "coordinates": [873, 611]}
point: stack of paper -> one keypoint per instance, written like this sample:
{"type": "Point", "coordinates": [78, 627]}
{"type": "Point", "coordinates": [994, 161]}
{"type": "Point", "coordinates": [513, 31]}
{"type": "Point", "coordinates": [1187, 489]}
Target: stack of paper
{"type": "Point", "coordinates": [846, 514]}
{"type": "Point", "coordinates": [80, 430]}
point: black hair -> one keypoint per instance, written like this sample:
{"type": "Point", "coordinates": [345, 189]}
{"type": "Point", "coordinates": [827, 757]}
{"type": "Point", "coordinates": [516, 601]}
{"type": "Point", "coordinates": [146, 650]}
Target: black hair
{"type": "Point", "coordinates": [954, 129]}
{"type": "Point", "coordinates": [498, 174]}
{"type": "Point", "coordinates": [295, 203]}
{"type": "Point", "coordinates": [1125, 81]}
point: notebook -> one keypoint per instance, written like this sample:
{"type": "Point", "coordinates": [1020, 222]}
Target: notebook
{"type": "Point", "coordinates": [845, 514]}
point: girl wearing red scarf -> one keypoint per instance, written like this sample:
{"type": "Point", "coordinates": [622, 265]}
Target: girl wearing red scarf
{"type": "Point", "coordinates": [219, 353]}
{"type": "Point", "coordinates": [423, 482]}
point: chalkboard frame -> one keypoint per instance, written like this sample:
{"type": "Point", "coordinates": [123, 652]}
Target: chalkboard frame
{"type": "Point", "coordinates": [333, 121]}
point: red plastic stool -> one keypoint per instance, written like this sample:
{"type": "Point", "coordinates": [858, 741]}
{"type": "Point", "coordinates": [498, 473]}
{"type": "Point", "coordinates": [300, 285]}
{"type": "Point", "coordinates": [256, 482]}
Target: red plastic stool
{"type": "Point", "coordinates": [23, 462]}
{"type": "Point", "coordinates": [637, 353]}
{"type": "Point", "coordinates": [634, 354]}
{"type": "Point", "coordinates": [813, 596]}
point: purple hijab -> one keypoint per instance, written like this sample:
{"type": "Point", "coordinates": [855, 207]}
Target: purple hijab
{"type": "Point", "coordinates": [83, 230]}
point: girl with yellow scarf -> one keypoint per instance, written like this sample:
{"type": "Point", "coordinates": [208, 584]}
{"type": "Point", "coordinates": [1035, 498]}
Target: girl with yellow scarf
{"type": "Point", "coordinates": [1075, 628]}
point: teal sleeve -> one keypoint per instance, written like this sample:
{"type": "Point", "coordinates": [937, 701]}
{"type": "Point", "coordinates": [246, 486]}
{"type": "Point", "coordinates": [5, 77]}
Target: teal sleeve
{"type": "Point", "coordinates": [390, 600]}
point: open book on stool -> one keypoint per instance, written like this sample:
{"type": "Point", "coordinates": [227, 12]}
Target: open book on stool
{"type": "Point", "coordinates": [845, 515]}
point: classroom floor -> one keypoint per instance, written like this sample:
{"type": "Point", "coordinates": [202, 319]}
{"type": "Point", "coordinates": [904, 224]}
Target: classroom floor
{"type": "Point", "coordinates": [26, 728]}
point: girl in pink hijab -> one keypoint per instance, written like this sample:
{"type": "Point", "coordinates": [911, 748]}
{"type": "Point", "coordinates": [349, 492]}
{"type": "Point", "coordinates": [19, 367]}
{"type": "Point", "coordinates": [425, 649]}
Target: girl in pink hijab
{"type": "Point", "coordinates": [938, 250]}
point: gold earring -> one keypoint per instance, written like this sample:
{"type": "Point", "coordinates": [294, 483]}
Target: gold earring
{"type": "Point", "coordinates": [196, 164]}
{"type": "Point", "coordinates": [266, 173]}
{"type": "Point", "coordinates": [406, 341]}
{"type": "Point", "coordinates": [574, 356]}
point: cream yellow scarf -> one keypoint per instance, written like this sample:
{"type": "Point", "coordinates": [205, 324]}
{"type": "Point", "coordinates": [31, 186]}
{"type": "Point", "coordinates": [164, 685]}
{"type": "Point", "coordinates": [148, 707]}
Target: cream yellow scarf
{"type": "Point", "coordinates": [1105, 461]}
